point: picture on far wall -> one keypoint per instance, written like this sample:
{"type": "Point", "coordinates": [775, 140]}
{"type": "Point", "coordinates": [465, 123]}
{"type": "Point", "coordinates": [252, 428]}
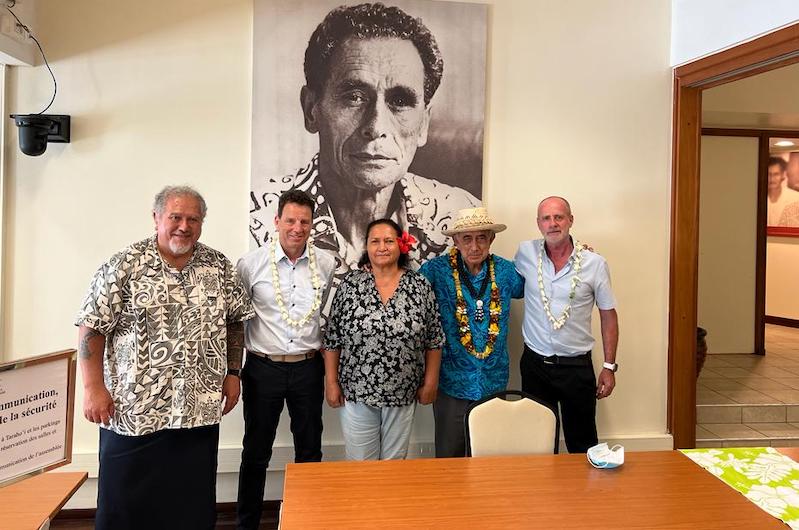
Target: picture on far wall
{"type": "Point", "coordinates": [362, 124]}
{"type": "Point", "coordinates": [782, 197]}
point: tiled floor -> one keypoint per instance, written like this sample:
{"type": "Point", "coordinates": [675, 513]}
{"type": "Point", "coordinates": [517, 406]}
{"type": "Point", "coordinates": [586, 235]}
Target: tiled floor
{"type": "Point", "coordinates": [749, 399]}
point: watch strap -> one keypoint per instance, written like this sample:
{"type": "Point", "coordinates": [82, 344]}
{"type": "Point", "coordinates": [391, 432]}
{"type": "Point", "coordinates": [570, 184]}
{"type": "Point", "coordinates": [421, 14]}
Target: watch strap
{"type": "Point", "coordinates": [613, 367]}
{"type": "Point", "coordinates": [234, 371]}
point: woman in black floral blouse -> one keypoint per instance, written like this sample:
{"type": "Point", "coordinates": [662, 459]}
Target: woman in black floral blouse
{"type": "Point", "coordinates": [382, 347]}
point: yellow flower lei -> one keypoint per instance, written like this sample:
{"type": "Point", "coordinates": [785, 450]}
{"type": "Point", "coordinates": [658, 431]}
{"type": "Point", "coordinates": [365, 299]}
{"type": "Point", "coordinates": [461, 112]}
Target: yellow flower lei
{"type": "Point", "coordinates": [462, 314]}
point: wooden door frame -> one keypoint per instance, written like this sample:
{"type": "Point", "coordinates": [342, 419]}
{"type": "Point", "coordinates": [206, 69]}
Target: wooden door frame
{"type": "Point", "coordinates": [769, 52]}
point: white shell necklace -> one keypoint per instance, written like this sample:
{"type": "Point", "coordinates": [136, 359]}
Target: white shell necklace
{"type": "Point", "coordinates": [558, 323]}
{"type": "Point", "coordinates": [315, 282]}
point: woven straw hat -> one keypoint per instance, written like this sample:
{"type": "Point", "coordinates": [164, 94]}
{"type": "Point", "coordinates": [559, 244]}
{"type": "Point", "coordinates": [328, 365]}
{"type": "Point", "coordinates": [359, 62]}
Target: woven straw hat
{"type": "Point", "coordinates": [472, 220]}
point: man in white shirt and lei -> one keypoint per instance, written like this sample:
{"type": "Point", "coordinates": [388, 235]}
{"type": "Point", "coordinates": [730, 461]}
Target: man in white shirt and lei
{"type": "Point", "coordinates": [287, 279]}
{"type": "Point", "coordinates": [563, 280]}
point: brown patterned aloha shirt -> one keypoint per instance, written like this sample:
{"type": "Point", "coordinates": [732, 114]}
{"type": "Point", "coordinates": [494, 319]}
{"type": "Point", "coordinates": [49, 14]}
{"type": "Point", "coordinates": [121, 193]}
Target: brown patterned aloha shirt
{"type": "Point", "coordinates": [429, 207]}
{"type": "Point", "coordinates": [165, 351]}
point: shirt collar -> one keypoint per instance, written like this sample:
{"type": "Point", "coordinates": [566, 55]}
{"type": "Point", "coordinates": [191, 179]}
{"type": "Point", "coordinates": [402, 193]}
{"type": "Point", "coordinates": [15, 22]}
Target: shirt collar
{"type": "Point", "coordinates": [574, 249]}
{"type": "Point", "coordinates": [158, 259]}
{"type": "Point", "coordinates": [571, 255]}
{"type": "Point", "coordinates": [280, 254]}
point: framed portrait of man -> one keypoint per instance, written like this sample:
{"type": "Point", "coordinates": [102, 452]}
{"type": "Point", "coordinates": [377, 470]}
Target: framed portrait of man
{"type": "Point", "coordinates": [376, 110]}
{"type": "Point", "coordinates": [782, 197]}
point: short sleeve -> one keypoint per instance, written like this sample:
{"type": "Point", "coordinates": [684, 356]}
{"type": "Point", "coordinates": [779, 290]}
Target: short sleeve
{"type": "Point", "coordinates": [103, 303]}
{"type": "Point", "coordinates": [434, 336]}
{"type": "Point", "coordinates": [244, 275]}
{"type": "Point", "coordinates": [237, 298]}
{"type": "Point", "coordinates": [512, 282]}
{"type": "Point", "coordinates": [522, 261]}
{"type": "Point", "coordinates": [517, 282]}
{"type": "Point", "coordinates": [333, 339]}
{"type": "Point", "coordinates": [602, 289]}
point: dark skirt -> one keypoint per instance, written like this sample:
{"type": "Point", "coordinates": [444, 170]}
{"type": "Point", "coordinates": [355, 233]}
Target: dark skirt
{"type": "Point", "coordinates": [163, 480]}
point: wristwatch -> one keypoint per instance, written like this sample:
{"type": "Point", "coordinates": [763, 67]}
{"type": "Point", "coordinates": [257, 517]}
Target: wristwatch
{"type": "Point", "coordinates": [234, 371]}
{"type": "Point", "coordinates": [613, 367]}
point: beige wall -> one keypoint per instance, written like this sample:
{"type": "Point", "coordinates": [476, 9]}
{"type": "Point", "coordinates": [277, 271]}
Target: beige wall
{"type": "Point", "coordinates": [728, 242]}
{"type": "Point", "coordinates": [782, 277]}
{"type": "Point", "coordinates": [160, 92]}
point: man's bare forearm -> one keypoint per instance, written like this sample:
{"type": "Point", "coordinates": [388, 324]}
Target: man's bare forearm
{"type": "Point", "coordinates": [91, 346]}
{"type": "Point", "coordinates": [609, 324]}
{"type": "Point", "coordinates": [235, 345]}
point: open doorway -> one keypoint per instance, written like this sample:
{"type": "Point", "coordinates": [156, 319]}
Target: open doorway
{"type": "Point", "coordinates": [745, 262]}
{"type": "Point", "coordinates": [770, 52]}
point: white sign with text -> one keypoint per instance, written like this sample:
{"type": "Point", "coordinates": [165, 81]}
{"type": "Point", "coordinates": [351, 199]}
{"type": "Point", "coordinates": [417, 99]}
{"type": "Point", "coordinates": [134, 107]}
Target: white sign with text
{"type": "Point", "coordinates": [33, 417]}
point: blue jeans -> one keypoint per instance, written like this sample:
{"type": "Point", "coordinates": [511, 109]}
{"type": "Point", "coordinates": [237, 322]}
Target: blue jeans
{"type": "Point", "coordinates": [376, 433]}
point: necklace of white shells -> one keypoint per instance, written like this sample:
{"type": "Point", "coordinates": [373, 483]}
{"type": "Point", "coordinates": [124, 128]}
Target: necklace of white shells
{"type": "Point", "coordinates": [315, 282]}
{"type": "Point", "coordinates": [558, 323]}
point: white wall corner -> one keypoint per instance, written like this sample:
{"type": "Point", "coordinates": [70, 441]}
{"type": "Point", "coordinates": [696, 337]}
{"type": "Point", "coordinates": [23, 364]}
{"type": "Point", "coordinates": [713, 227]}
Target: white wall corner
{"type": "Point", "coordinates": [703, 27]}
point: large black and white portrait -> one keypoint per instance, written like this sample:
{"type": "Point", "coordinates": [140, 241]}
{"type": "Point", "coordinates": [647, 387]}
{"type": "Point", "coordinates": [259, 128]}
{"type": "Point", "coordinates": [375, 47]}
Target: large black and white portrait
{"type": "Point", "coordinates": [375, 110]}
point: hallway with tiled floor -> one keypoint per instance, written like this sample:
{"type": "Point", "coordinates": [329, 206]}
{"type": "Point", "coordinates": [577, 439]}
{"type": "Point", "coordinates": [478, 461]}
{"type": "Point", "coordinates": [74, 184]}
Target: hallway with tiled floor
{"type": "Point", "coordinates": [749, 400]}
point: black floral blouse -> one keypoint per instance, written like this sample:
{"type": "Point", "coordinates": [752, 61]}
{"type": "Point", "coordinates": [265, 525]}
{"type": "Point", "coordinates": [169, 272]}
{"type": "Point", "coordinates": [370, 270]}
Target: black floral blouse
{"type": "Point", "coordinates": [383, 346]}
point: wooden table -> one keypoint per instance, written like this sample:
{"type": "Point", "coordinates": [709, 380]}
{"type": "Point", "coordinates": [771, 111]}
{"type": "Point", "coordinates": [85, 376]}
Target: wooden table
{"type": "Point", "coordinates": [27, 504]}
{"type": "Point", "coordinates": [661, 489]}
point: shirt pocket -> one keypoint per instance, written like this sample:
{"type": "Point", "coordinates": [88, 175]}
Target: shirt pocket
{"type": "Point", "coordinates": [304, 299]}
{"type": "Point", "coordinates": [583, 294]}
{"type": "Point", "coordinates": [212, 300]}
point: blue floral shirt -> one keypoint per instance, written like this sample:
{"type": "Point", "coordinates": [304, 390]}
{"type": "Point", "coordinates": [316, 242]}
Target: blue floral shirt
{"type": "Point", "coordinates": [464, 376]}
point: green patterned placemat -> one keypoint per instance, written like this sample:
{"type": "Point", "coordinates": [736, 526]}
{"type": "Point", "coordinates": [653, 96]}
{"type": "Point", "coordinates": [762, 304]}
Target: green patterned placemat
{"type": "Point", "coordinates": [762, 474]}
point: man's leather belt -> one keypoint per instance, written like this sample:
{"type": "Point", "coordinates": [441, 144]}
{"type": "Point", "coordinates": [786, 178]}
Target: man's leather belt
{"type": "Point", "coordinates": [562, 360]}
{"type": "Point", "coordinates": [280, 358]}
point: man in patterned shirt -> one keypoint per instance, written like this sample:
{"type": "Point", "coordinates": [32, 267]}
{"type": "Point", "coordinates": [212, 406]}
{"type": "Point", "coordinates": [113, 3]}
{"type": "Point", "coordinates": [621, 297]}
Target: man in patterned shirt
{"type": "Point", "coordinates": [371, 72]}
{"type": "Point", "coordinates": [160, 345]}
{"type": "Point", "coordinates": [474, 364]}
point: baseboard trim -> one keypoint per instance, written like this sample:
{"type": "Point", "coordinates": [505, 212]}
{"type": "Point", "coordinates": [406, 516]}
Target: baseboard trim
{"type": "Point", "coordinates": [271, 510]}
{"type": "Point", "coordinates": [781, 321]}
{"type": "Point", "coordinates": [229, 456]}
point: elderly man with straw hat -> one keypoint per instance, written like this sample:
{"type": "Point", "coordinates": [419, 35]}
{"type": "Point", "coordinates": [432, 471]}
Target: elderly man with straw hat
{"type": "Point", "coordinates": [474, 289]}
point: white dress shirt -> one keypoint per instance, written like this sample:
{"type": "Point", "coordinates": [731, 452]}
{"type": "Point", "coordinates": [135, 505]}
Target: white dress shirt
{"type": "Point", "coordinates": [268, 332]}
{"type": "Point", "coordinates": [574, 338]}
{"type": "Point", "coordinates": [775, 209]}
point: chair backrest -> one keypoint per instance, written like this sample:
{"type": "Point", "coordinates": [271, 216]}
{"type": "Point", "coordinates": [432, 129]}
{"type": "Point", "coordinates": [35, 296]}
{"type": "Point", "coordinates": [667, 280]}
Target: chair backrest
{"type": "Point", "coordinates": [497, 426]}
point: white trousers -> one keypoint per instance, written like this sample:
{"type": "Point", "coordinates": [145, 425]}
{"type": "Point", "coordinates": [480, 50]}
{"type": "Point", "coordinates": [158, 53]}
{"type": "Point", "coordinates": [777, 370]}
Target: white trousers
{"type": "Point", "coordinates": [376, 433]}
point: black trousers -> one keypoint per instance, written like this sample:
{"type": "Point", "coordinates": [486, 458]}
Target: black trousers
{"type": "Point", "coordinates": [449, 412]}
{"type": "Point", "coordinates": [266, 385]}
{"type": "Point", "coordinates": [164, 480]}
{"type": "Point", "coordinates": [570, 383]}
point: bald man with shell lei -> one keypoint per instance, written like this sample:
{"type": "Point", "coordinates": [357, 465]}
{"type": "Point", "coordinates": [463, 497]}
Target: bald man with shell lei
{"type": "Point", "coordinates": [563, 281]}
